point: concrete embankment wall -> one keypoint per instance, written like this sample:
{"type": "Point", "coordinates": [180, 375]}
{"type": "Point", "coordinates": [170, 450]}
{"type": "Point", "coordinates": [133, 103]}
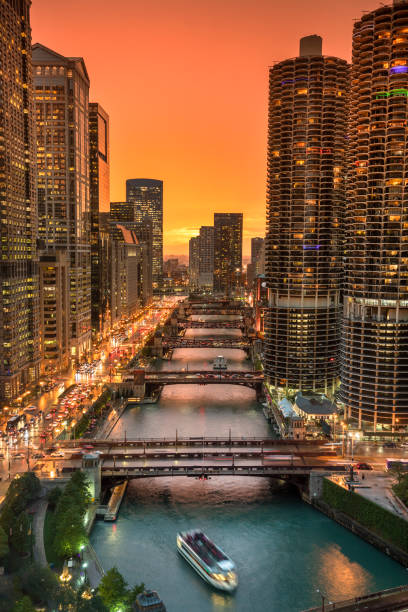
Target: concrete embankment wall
{"type": "Point", "coordinates": [372, 523]}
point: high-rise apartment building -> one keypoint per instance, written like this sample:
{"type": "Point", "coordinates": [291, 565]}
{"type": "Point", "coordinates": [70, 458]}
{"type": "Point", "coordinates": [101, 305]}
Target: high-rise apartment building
{"type": "Point", "coordinates": [54, 311]}
{"type": "Point", "coordinates": [194, 262]}
{"type": "Point", "coordinates": [125, 214]}
{"type": "Point", "coordinates": [305, 203]}
{"type": "Point", "coordinates": [147, 197]}
{"type": "Point", "coordinates": [19, 324]}
{"type": "Point", "coordinates": [258, 255]}
{"type": "Point", "coordinates": [227, 251]}
{"type": "Point", "coordinates": [61, 90]}
{"type": "Point", "coordinates": [374, 377]}
{"type": "Point", "coordinates": [99, 192]}
{"type": "Point", "coordinates": [206, 263]}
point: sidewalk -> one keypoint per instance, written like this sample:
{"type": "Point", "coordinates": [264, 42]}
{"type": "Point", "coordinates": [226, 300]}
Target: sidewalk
{"type": "Point", "coordinates": [94, 568]}
{"type": "Point", "coordinates": [117, 410]}
{"type": "Point", "coordinates": [379, 491]}
{"type": "Point", "coordinates": [40, 508]}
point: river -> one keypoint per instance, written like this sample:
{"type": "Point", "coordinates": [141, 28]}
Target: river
{"type": "Point", "coordinates": [284, 549]}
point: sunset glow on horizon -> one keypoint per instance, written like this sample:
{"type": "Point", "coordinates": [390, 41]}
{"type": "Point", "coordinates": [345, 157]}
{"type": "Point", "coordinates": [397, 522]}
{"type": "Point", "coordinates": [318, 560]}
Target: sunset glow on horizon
{"type": "Point", "coordinates": [185, 85]}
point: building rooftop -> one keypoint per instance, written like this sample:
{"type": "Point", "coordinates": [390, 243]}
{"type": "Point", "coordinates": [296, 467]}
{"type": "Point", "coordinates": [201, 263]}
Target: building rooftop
{"type": "Point", "coordinates": [315, 404]}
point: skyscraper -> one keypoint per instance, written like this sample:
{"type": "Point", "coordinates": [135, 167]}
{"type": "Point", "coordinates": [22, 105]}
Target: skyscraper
{"type": "Point", "coordinates": [126, 215]}
{"type": "Point", "coordinates": [194, 262]}
{"type": "Point", "coordinates": [99, 203]}
{"type": "Point", "coordinates": [19, 323]}
{"type": "Point", "coordinates": [61, 106]}
{"type": "Point", "coordinates": [147, 197]}
{"type": "Point", "coordinates": [374, 377]}
{"type": "Point", "coordinates": [305, 202]}
{"type": "Point", "coordinates": [227, 251]}
{"type": "Point", "coordinates": [206, 263]}
{"type": "Point", "coordinates": [258, 255]}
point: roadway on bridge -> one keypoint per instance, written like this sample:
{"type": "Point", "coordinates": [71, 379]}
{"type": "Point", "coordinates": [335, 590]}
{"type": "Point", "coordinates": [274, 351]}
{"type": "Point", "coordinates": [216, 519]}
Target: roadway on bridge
{"type": "Point", "coordinates": [208, 377]}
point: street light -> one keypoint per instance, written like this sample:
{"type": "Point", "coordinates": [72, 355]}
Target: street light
{"type": "Point", "coordinates": [323, 599]}
{"type": "Point", "coordinates": [355, 436]}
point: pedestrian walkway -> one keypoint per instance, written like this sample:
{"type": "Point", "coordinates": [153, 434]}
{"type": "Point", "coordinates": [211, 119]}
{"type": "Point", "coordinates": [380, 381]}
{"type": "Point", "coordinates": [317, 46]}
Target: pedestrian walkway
{"type": "Point", "coordinates": [377, 488]}
{"type": "Point", "coordinates": [94, 568]}
{"type": "Point", "coordinates": [40, 508]}
{"type": "Point", "coordinates": [109, 423]}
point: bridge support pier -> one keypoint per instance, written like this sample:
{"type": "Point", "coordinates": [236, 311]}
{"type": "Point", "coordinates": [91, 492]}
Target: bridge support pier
{"type": "Point", "coordinates": [158, 346]}
{"type": "Point", "coordinates": [316, 485]}
{"type": "Point", "coordinates": [91, 467]}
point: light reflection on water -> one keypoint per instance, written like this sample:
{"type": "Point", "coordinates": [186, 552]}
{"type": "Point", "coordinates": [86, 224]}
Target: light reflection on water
{"type": "Point", "coordinates": [284, 550]}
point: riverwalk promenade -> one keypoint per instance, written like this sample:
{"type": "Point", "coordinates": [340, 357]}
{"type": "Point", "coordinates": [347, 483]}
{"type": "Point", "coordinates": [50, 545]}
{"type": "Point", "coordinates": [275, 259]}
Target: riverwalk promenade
{"type": "Point", "coordinates": [389, 600]}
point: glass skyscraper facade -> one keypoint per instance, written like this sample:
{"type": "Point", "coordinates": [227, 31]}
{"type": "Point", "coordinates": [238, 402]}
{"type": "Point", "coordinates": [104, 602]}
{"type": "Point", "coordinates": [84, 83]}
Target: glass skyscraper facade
{"type": "Point", "coordinates": [147, 197]}
{"type": "Point", "coordinates": [99, 192]}
{"type": "Point", "coordinates": [19, 305]}
{"type": "Point", "coordinates": [227, 251]}
{"type": "Point", "coordinates": [61, 89]}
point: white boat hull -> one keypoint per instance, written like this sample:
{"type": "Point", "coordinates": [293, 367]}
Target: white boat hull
{"type": "Point", "coordinates": [215, 583]}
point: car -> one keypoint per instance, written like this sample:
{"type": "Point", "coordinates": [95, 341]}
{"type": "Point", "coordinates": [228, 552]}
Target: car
{"type": "Point", "coordinates": [362, 466]}
{"type": "Point", "coordinates": [39, 456]}
{"type": "Point", "coordinates": [389, 445]}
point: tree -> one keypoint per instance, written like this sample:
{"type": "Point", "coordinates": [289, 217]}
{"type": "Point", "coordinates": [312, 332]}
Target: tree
{"type": "Point", "coordinates": [112, 590]}
{"type": "Point", "coordinates": [53, 496]}
{"type": "Point", "coordinates": [20, 538]}
{"type": "Point", "coordinates": [4, 547]}
{"type": "Point", "coordinates": [24, 605]}
{"type": "Point", "coordinates": [65, 598]}
{"type": "Point", "coordinates": [90, 605]}
{"type": "Point", "coordinates": [70, 533]}
{"type": "Point", "coordinates": [40, 583]}
{"type": "Point", "coordinates": [21, 491]}
{"type": "Point", "coordinates": [133, 593]}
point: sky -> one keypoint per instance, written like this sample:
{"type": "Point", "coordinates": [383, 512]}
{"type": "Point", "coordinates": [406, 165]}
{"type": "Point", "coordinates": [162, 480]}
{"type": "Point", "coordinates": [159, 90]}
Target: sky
{"type": "Point", "coordinates": [185, 83]}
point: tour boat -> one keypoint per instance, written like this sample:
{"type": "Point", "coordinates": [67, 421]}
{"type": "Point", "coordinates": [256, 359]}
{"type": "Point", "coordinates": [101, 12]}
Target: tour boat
{"type": "Point", "coordinates": [220, 363]}
{"type": "Point", "coordinates": [207, 559]}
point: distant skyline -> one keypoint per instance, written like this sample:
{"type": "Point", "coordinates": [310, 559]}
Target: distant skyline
{"type": "Point", "coordinates": [185, 85]}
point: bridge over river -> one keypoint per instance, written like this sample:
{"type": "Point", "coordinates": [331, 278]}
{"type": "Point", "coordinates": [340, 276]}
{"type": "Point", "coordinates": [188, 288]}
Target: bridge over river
{"type": "Point", "coordinates": [191, 324]}
{"type": "Point", "coordinates": [253, 380]}
{"type": "Point", "coordinates": [227, 343]}
{"type": "Point", "coordinates": [203, 458]}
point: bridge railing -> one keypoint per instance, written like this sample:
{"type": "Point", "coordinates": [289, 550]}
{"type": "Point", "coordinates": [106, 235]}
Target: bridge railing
{"type": "Point", "coordinates": [193, 440]}
{"type": "Point", "coordinates": [363, 600]}
{"type": "Point", "coordinates": [219, 470]}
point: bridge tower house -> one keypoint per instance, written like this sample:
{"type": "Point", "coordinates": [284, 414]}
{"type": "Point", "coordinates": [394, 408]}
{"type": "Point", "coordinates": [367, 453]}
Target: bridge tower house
{"type": "Point", "coordinates": [158, 345]}
{"type": "Point", "coordinates": [91, 467]}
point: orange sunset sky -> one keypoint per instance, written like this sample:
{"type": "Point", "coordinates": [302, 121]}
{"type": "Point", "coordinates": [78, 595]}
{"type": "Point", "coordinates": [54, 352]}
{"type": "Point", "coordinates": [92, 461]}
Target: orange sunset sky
{"type": "Point", "coordinates": [185, 83]}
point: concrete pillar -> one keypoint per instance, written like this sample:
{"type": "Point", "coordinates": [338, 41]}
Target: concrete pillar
{"type": "Point", "coordinates": [316, 485]}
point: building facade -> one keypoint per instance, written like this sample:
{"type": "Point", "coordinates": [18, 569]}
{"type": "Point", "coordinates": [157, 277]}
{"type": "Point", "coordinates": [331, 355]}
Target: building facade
{"type": "Point", "coordinates": [147, 197]}
{"type": "Point", "coordinates": [374, 377]}
{"type": "Point", "coordinates": [258, 255]}
{"type": "Point", "coordinates": [99, 198]}
{"type": "Point", "coordinates": [125, 214]}
{"type": "Point", "coordinates": [54, 311]}
{"type": "Point", "coordinates": [61, 93]}
{"type": "Point", "coordinates": [227, 252]}
{"type": "Point", "coordinates": [305, 203]}
{"type": "Point", "coordinates": [194, 263]}
{"type": "Point", "coordinates": [126, 273]}
{"type": "Point", "coordinates": [19, 296]}
{"type": "Point", "coordinates": [206, 264]}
